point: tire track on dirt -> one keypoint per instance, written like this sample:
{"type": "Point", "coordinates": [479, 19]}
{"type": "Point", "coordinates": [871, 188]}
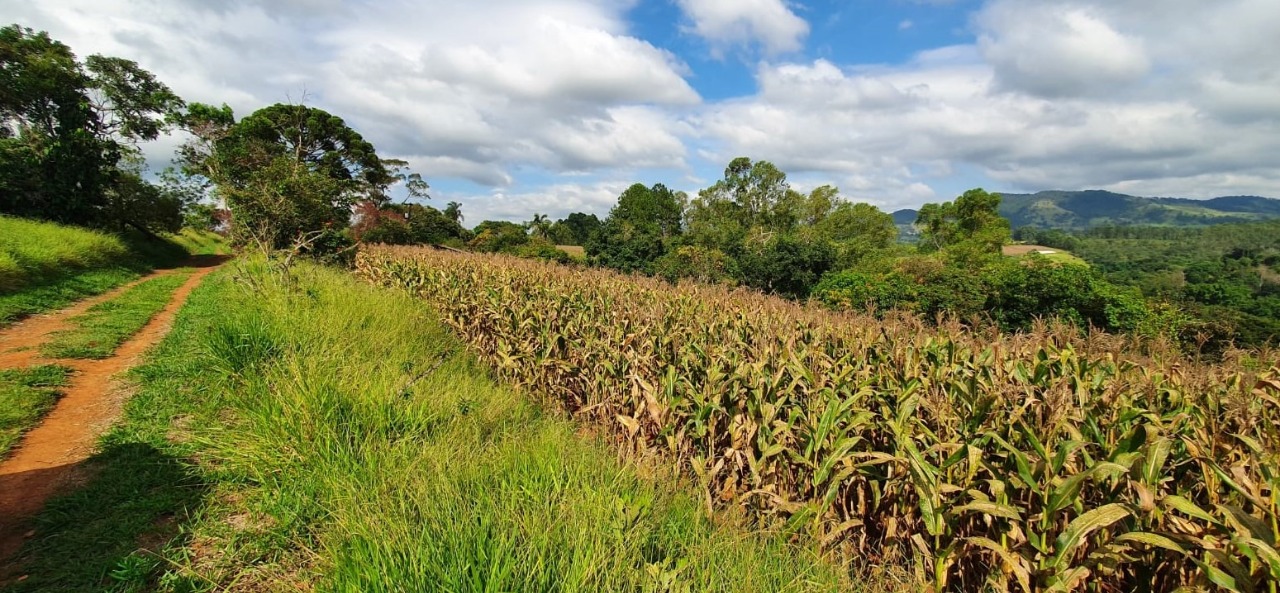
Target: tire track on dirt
{"type": "Point", "coordinates": [49, 459]}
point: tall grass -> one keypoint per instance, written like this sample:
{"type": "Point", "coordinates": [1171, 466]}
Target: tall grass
{"type": "Point", "coordinates": [44, 266]}
{"type": "Point", "coordinates": [348, 443]}
{"type": "Point", "coordinates": [32, 250]}
{"type": "Point", "coordinates": [1046, 460]}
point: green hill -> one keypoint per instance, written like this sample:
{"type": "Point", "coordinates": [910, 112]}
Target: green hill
{"type": "Point", "coordinates": [1092, 208]}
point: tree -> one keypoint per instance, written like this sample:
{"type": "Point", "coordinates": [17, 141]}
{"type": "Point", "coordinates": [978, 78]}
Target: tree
{"type": "Point", "coordinates": [539, 226]}
{"type": "Point", "coordinates": [580, 227]}
{"type": "Point", "coordinates": [971, 225]}
{"type": "Point", "coordinates": [786, 265]}
{"type": "Point", "coordinates": [498, 236]}
{"type": "Point", "coordinates": [287, 171]}
{"type": "Point", "coordinates": [640, 229]}
{"type": "Point", "coordinates": [66, 128]}
{"type": "Point", "coordinates": [454, 211]}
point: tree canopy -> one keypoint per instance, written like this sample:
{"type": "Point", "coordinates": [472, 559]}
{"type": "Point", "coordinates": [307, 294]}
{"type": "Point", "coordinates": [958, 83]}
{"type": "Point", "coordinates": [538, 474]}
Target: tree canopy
{"type": "Point", "coordinates": [68, 132]}
{"type": "Point", "coordinates": [287, 171]}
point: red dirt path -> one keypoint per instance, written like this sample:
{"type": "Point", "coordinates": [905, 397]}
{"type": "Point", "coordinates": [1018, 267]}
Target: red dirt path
{"type": "Point", "coordinates": [45, 462]}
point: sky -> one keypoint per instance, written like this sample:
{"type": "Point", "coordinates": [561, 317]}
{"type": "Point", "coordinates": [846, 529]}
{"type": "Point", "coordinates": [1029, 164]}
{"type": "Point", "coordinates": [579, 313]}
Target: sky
{"type": "Point", "coordinates": [512, 107]}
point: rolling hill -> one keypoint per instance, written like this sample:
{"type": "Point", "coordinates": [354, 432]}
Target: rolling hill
{"type": "Point", "coordinates": [1091, 208]}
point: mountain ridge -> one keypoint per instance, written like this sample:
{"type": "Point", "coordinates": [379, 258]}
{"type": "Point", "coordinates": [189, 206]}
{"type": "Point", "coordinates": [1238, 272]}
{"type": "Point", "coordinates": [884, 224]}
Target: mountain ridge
{"type": "Point", "coordinates": [1077, 210]}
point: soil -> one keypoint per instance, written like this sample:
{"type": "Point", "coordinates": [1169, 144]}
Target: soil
{"type": "Point", "coordinates": [50, 458]}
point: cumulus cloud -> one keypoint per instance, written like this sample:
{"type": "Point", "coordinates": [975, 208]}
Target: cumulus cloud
{"type": "Point", "coordinates": [555, 200]}
{"type": "Point", "coordinates": [459, 91]}
{"type": "Point", "coordinates": [1050, 95]}
{"type": "Point", "coordinates": [549, 105]}
{"type": "Point", "coordinates": [1059, 50]}
{"type": "Point", "coordinates": [725, 23]}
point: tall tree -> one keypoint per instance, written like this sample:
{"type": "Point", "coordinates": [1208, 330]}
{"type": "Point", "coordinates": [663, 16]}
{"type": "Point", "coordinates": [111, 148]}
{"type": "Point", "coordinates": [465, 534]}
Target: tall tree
{"type": "Point", "coordinates": [66, 128]}
{"type": "Point", "coordinates": [539, 226]}
{"type": "Point", "coordinates": [286, 171]}
{"type": "Point", "coordinates": [454, 211]}
{"type": "Point", "coordinates": [640, 229]}
{"type": "Point", "coordinates": [972, 223]}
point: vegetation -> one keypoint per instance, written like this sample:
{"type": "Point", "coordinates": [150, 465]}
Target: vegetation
{"type": "Point", "coordinates": [32, 252]}
{"type": "Point", "coordinates": [748, 228]}
{"type": "Point", "coordinates": [290, 174]}
{"type": "Point", "coordinates": [1225, 279]}
{"type": "Point", "coordinates": [1081, 210]}
{"type": "Point", "coordinates": [100, 330]}
{"type": "Point", "coordinates": [335, 434]}
{"type": "Point", "coordinates": [1051, 459]}
{"type": "Point", "coordinates": [44, 266]}
{"type": "Point", "coordinates": [67, 135]}
{"type": "Point", "coordinates": [26, 395]}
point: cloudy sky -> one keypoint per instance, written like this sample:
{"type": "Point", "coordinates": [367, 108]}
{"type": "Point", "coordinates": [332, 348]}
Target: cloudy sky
{"type": "Point", "coordinates": [520, 106]}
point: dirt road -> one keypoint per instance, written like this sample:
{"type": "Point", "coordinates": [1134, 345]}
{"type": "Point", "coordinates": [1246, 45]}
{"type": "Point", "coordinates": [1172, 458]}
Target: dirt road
{"type": "Point", "coordinates": [48, 460]}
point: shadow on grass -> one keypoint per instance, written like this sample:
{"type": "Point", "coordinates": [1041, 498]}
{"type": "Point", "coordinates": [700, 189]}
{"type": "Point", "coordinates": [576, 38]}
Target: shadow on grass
{"type": "Point", "coordinates": [129, 500]}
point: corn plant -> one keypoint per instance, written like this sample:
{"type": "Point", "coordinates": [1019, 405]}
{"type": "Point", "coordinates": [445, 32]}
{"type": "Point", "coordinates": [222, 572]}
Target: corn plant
{"type": "Point", "coordinates": [1046, 460]}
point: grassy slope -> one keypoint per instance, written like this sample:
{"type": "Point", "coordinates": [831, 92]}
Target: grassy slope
{"type": "Point", "coordinates": [26, 395]}
{"type": "Point", "coordinates": [45, 266]}
{"type": "Point", "coordinates": [338, 435]}
{"type": "Point", "coordinates": [101, 329]}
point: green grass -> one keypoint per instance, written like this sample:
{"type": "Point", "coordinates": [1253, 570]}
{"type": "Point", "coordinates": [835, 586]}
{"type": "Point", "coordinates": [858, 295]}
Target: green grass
{"type": "Point", "coordinates": [106, 325]}
{"type": "Point", "coordinates": [61, 292]}
{"type": "Point", "coordinates": [26, 395]}
{"type": "Point", "coordinates": [337, 435]}
{"type": "Point", "coordinates": [196, 242]}
{"type": "Point", "coordinates": [31, 250]}
{"type": "Point", "coordinates": [46, 266]}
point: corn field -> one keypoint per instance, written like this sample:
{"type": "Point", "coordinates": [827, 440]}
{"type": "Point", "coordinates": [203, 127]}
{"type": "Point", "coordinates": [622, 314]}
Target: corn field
{"type": "Point", "coordinates": [1049, 460]}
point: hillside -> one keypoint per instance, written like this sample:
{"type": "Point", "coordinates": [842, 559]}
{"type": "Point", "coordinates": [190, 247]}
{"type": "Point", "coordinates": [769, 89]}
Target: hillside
{"type": "Point", "coordinates": [1092, 208]}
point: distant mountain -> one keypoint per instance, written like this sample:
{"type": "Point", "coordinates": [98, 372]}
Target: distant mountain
{"type": "Point", "coordinates": [1091, 208]}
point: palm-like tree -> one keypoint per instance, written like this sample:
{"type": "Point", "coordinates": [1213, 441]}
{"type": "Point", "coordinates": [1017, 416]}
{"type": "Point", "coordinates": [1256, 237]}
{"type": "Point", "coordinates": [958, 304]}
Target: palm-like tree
{"type": "Point", "coordinates": [454, 212]}
{"type": "Point", "coordinates": [539, 226]}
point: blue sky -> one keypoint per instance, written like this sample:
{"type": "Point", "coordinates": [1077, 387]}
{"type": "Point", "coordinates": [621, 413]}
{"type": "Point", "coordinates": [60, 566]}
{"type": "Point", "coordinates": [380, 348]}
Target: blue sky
{"type": "Point", "coordinates": [552, 106]}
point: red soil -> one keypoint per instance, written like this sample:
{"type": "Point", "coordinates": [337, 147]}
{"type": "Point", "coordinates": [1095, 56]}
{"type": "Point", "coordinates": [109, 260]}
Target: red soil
{"type": "Point", "coordinates": [49, 459]}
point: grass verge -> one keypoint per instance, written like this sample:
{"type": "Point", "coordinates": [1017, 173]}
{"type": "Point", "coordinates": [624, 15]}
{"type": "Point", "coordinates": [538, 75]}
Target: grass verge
{"type": "Point", "coordinates": [26, 395]}
{"type": "Point", "coordinates": [106, 325]}
{"type": "Point", "coordinates": [336, 436]}
{"type": "Point", "coordinates": [45, 266]}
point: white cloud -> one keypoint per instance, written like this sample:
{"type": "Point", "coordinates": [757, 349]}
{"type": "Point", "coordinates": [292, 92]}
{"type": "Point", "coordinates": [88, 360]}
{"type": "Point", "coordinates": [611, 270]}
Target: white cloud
{"type": "Point", "coordinates": [1058, 50]}
{"type": "Point", "coordinates": [461, 90]}
{"type": "Point", "coordinates": [555, 200]}
{"type": "Point", "coordinates": [522, 95]}
{"type": "Point", "coordinates": [727, 23]}
{"type": "Point", "coordinates": [1052, 95]}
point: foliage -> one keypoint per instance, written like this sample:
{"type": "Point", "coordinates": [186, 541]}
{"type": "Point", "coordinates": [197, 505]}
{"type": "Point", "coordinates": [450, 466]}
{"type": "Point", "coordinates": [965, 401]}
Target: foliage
{"type": "Point", "coordinates": [697, 263]}
{"type": "Point", "coordinates": [970, 225]}
{"type": "Point", "coordinates": [541, 249]}
{"type": "Point", "coordinates": [405, 224]}
{"type": "Point", "coordinates": [575, 229]}
{"type": "Point", "coordinates": [1037, 461]}
{"type": "Point", "coordinates": [337, 435]}
{"type": "Point", "coordinates": [68, 129]}
{"type": "Point", "coordinates": [1226, 277]}
{"type": "Point", "coordinates": [641, 228]}
{"type": "Point", "coordinates": [498, 236]}
{"type": "Point", "coordinates": [26, 395]}
{"type": "Point", "coordinates": [785, 265]}
{"type": "Point", "coordinates": [288, 173]}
